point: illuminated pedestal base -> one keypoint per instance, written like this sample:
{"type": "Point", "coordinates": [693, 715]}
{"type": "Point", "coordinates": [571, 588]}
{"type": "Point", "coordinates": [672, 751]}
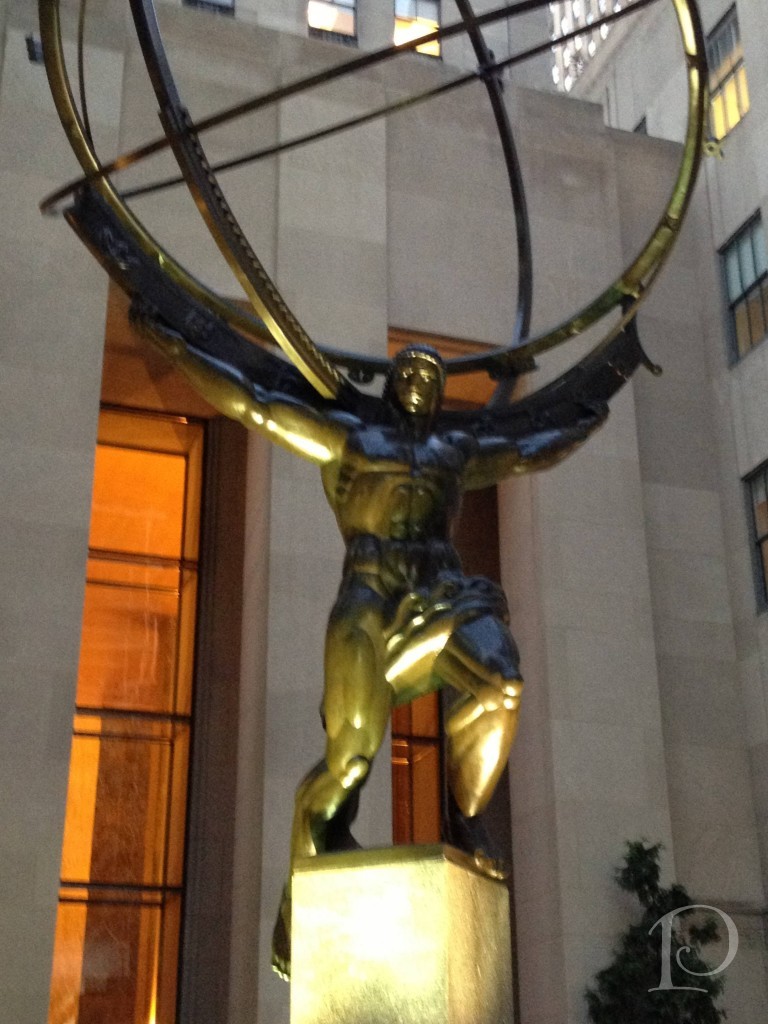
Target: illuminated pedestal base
{"type": "Point", "coordinates": [408, 935]}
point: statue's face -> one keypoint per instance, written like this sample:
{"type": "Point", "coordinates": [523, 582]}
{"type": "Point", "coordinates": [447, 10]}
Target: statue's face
{"type": "Point", "coordinates": [418, 386]}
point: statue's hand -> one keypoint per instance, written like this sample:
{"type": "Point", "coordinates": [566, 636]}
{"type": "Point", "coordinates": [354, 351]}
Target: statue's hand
{"type": "Point", "coordinates": [168, 346]}
{"type": "Point", "coordinates": [167, 343]}
{"type": "Point", "coordinates": [490, 867]}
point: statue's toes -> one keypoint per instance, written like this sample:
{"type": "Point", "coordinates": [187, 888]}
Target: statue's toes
{"type": "Point", "coordinates": [281, 940]}
{"type": "Point", "coordinates": [281, 967]}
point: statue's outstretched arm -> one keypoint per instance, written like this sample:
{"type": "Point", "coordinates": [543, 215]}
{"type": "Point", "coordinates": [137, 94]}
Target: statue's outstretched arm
{"type": "Point", "coordinates": [499, 456]}
{"type": "Point", "coordinates": [287, 421]}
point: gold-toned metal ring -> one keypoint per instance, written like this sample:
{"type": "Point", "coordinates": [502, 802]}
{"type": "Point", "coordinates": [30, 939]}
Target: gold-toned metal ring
{"type": "Point", "coordinates": [627, 292]}
{"type": "Point", "coordinates": [300, 349]}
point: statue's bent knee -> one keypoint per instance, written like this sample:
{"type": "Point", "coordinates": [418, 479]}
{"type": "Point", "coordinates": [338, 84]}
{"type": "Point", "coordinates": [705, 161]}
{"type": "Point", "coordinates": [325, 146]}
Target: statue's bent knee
{"type": "Point", "coordinates": [494, 695]}
{"type": "Point", "coordinates": [355, 772]}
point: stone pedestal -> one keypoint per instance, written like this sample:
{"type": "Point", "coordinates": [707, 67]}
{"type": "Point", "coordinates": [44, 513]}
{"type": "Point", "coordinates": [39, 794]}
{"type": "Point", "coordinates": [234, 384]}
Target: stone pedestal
{"type": "Point", "coordinates": [407, 935]}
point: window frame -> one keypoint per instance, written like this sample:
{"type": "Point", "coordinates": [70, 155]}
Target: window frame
{"type": "Point", "coordinates": [717, 85]}
{"type": "Point", "coordinates": [757, 541]}
{"type": "Point", "coordinates": [759, 285]}
{"type": "Point", "coordinates": [226, 7]}
{"type": "Point", "coordinates": [149, 900]}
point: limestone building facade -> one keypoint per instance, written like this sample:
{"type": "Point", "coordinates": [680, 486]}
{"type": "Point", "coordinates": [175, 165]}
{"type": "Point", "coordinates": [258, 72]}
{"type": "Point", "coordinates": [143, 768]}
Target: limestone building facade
{"type": "Point", "coordinates": [629, 568]}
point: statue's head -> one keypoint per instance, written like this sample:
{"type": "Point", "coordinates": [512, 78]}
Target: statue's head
{"type": "Point", "coordinates": [416, 381]}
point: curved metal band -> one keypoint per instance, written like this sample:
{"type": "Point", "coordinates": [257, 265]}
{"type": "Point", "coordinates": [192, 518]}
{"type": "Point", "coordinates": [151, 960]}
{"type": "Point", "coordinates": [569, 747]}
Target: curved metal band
{"type": "Point", "coordinates": [58, 79]}
{"type": "Point", "coordinates": [218, 216]}
{"type": "Point", "coordinates": [627, 291]}
{"type": "Point", "coordinates": [522, 227]}
{"type": "Point", "coordinates": [635, 281]}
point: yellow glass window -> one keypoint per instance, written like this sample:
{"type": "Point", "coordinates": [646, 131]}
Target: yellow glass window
{"type": "Point", "coordinates": [717, 116]}
{"type": "Point", "coordinates": [334, 16]}
{"type": "Point", "coordinates": [122, 870]}
{"type": "Point", "coordinates": [741, 78]}
{"type": "Point", "coordinates": [416, 18]}
{"type": "Point", "coordinates": [729, 96]}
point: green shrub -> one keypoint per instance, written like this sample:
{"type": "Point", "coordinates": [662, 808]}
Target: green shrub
{"type": "Point", "coordinates": [623, 992]}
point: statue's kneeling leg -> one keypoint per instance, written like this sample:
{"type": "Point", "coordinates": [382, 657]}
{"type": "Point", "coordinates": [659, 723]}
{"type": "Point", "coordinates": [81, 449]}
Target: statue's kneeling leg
{"type": "Point", "coordinates": [356, 706]}
{"type": "Point", "coordinates": [320, 796]}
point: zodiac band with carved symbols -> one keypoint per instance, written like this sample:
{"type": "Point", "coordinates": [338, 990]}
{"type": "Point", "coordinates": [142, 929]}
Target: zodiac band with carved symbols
{"type": "Point", "coordinates": [406, 620]}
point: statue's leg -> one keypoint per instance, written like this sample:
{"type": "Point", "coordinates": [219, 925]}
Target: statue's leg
{"type": "Point", "coordinates": [356, 705]}
{"type": "Point", "coordinates": [480, 661]}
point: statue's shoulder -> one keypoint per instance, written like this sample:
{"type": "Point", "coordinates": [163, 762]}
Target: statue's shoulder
{"type": "Point", "coordinates": [374, 441]}
{"type": "Point", "coordinates": [459, 441]}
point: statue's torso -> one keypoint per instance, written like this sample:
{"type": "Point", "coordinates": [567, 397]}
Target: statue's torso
{"type": "Point", "coordinates": [397, 488]}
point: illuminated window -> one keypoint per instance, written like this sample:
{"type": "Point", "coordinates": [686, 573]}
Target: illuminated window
{"type": "Point", "coordinates": [122, 870]}
{"type": "Point", "coordinates": [728, 95]}
{"type": "Point", "coordinates": [745, 269]}
{"type": "Point", "coordinates": [757, 489]}
{"type": "Point", "coordinates": [334, 19]}
{"type": "Point", "coordinates": [415, 18]}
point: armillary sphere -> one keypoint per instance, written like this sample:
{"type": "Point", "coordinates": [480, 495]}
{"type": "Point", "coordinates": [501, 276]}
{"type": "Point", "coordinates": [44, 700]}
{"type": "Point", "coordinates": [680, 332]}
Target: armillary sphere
{"type": "Point", "coordinates": [169, 298]}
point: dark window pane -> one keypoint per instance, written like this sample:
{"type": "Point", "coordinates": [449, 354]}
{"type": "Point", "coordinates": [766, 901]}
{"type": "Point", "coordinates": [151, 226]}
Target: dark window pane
{"type": "Point", "coordinates": [746, 260]}
{"type": "Point", "coordinates": [425, 716]}
{"type": "Point", "coordinates": [415, 791]}
{"type": "Point", "coordinates": [760, 505]}
{"type": "Point", "coordinates": [757, 486]}
{"type": "Point", "coordinates": [732, 274]}
{"type": "Point", "coordinates": [401, 720]}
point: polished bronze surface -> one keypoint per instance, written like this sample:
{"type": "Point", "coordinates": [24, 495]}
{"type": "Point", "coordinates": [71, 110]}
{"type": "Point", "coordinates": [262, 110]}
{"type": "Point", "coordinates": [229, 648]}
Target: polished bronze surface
{"type": "Point", "coordinates": [406, 620]}
{"type": "Point", "coordinates": [275, 321]}
{"type": "Point", "coordinates": [410, 935]}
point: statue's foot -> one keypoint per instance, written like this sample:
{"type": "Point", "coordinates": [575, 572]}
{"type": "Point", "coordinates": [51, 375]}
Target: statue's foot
{"type": "Point", "coordinates": [471, 836]}
{"type": "Point", "coordinates": [281, 938]}
{"type": "Point", "coordinates": [491, 867]}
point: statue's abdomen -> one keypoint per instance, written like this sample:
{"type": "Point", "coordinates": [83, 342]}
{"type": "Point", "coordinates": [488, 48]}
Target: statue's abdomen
{"type": "Point", "coordinates": [396, 503]}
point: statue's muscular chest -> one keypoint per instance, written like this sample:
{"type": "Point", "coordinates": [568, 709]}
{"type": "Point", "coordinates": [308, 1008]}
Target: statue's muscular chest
{"type": "Point", "coordinates": [397, 487]}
